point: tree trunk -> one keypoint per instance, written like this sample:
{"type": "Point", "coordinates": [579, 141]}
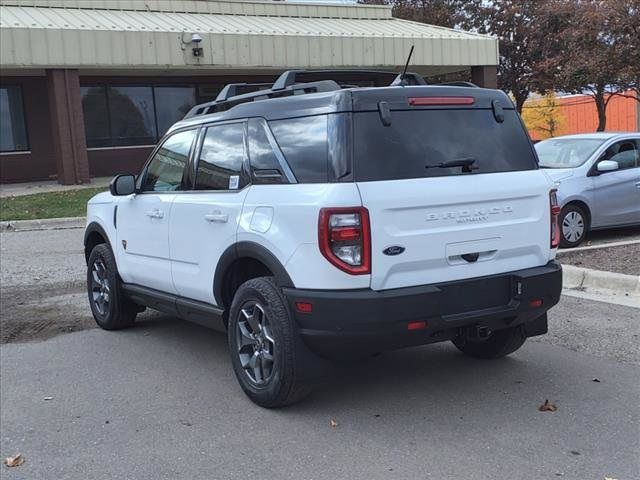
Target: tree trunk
{"type": "Point", "coordinates": [520, 99]}
{"type": "Point", "coordinates": [601, 106]}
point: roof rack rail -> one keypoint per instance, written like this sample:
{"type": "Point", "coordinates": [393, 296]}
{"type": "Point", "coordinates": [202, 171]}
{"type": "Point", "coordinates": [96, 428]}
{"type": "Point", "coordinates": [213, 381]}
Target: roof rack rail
{"type": "Point", "coordinates": [231, 89]}
{"type": "Point", "coordinates": [226, 102]}
{"type": "Point", "coordinates": [459, 84]}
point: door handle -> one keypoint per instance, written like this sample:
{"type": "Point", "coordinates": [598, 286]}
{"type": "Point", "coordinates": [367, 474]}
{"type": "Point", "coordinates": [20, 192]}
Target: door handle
{"type": "Point", "coordinates": [217, 217]}
{"type": "Point", "coordinates": [155, 213]}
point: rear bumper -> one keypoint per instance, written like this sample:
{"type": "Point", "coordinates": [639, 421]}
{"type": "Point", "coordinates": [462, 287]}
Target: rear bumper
{"type": "Point", "coordinates": [346, 320]}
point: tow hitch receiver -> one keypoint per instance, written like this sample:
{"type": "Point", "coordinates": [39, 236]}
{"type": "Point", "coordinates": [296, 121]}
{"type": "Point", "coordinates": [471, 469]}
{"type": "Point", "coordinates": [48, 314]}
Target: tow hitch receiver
{"type": "Point", "coordinates": [479, 332]}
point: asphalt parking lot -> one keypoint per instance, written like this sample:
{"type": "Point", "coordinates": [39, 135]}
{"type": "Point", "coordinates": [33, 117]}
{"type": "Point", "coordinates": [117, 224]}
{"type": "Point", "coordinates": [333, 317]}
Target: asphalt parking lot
{"type": "Point", "coordinates": [160, 400]}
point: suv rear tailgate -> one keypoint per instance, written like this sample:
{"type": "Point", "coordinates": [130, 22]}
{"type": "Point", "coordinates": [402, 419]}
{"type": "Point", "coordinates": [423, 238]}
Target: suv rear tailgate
{"type": "Point", "coordinates": [443, 223]}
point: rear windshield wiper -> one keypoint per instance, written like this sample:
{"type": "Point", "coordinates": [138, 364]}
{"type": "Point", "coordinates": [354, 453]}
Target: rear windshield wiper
{"type": "Point", "coordinates": [465, 163]}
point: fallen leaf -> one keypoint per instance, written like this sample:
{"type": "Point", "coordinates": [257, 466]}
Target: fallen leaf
{"type": "Point", "coordinates": [14, 461]}
{"type": "Point", "coordinates": [334, 424]}
{"type": "Point", "coordinates": [48, 398]}
{"type": "Point", "coordinates": [596, 380]}
{"type": "Point", "coordinates": [547, 406]}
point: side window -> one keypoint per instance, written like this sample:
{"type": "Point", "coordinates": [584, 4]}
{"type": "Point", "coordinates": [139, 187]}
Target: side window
{"type": "Point", "coordinates": [265, 164]}
{"type": "Point", "coordinates": [304, 143]}
{"type": "Point", "coordinates": [220, 163]}
{"type": "Point", "coordinates": [167, 167]}
{"type": "Point", "coordinates": [624, 152]}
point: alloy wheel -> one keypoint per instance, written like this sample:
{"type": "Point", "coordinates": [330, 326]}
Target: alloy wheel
{"type": "Point", "coordinates": [573, 226]}
{"type": "Point", "coordinates": [100, 288]}
{"type": "Point", "coordinates": [255, 343]}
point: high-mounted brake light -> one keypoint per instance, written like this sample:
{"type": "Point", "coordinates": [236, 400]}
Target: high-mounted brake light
{"type": "Point", "coordinates": [345, 240]}
{"type": "Point", "coordinates": [431, 101]}
{"type": "Point", "coordinates": [555, 216]}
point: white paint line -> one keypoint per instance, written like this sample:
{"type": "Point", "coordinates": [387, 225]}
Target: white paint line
{"type": "Point", "coordinates": [594, 247]}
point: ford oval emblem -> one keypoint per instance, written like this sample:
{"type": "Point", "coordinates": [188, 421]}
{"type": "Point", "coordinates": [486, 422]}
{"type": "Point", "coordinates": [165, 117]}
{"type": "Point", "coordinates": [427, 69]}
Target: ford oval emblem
{"type": "Point", "coordinates": [393, 250]}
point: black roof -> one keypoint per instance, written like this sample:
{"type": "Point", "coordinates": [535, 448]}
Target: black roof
{"type": "Point", "coordinates": [288, 99]}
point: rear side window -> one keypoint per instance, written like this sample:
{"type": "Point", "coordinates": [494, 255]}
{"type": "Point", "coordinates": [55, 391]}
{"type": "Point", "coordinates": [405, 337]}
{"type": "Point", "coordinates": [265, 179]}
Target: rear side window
{"type": "Point", "coordinates": [221, 158]}
{"type": "Point", "coordinates": [418, 138]}
{"type": "Point", "coordinates": [303, 142]}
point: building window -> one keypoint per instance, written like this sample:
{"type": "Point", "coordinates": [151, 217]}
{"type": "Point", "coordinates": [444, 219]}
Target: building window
{"type": "Point", "coordinates": [96, 116]}
{"type": "Point", "coordinates": [13, 130]}
{"type": "Point", "coordinates": [132, 115]}
{"type": "Point", "coordinates": [172, 104]}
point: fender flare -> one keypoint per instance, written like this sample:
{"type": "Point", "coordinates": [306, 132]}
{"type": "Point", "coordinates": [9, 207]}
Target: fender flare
{"type": "Point", "coordinates": [248, 250]}
{"type": "Point", "coordinates": [94, 227]}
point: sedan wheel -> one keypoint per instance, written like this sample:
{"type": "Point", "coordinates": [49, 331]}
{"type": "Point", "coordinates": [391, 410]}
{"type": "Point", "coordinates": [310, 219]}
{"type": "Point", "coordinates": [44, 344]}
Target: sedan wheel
{"type": "Point", "coordinates": [574, 226]}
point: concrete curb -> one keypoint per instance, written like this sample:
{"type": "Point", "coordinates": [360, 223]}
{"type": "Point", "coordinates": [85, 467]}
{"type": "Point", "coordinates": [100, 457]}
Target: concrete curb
{"type": "Point", "coordinates": [577, 278]}
{"type": "Point", "coordinates": [42, 224]}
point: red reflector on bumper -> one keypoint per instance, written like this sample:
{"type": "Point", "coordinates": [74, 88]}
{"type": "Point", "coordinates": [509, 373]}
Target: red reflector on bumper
{"type": "Point", "coordinates": [304, 307]}
{"type": "Point", "coordinates": [535, 303]}
{"type": "Point", "coordinates": [416, 325]}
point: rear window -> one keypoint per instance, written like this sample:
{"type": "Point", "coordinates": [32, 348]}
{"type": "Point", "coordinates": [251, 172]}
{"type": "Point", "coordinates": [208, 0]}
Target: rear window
{"type": "Point", "coordinates": [304, 143]}
{"type": "Point", "coordinates": [417, 138]}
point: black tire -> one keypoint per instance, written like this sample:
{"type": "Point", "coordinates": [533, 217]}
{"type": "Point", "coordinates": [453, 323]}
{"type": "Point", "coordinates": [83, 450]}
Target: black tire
{"type": "Point", "coordinates": [117, 311]}
{"type": "Point", "coordinates": [271, 382]}
{"type": "Point", "coordinates": [499, 344]}
{"type": "Point", "coordinates": [572, 219]}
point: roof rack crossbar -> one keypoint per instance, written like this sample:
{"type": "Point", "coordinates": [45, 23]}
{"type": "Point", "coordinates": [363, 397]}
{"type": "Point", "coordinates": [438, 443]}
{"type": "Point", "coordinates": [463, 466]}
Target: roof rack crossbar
{"type": "Point", "coordinates": [459, 84]}
{"type": "Point", "coordinates": [231, 89]}
{"type": "Point", "coordinates": [289, 77]}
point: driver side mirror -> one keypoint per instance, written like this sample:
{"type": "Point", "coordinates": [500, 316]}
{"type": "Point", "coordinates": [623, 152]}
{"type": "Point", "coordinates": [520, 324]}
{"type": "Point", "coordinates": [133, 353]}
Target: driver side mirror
{"type": "Point", "coordinates": [607, 166]}
{"type": "Point", "coordinates": [123, 185]}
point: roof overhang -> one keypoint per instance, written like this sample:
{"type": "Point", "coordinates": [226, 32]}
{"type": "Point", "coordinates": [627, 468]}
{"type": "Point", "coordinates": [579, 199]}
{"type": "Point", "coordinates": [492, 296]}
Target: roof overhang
{"type": "Point", "coordinates": [156, 35]}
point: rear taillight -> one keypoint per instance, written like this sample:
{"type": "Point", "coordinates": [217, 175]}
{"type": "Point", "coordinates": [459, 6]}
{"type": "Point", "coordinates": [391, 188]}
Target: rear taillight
{"type": "Point", "coordinates": [555, 216]}
{"type": "Point", "coordinates": [345, 239]}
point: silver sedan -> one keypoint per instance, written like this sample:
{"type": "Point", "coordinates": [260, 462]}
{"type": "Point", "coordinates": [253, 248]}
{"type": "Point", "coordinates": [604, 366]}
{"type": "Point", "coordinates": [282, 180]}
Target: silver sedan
{"type": "Point", "coordinates": [598, 178]}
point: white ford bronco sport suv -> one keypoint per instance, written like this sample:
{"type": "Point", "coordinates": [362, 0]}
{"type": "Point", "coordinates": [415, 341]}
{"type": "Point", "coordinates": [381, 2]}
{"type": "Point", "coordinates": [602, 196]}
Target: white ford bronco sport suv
{"type": "Point", "coordinates": [311, 221]}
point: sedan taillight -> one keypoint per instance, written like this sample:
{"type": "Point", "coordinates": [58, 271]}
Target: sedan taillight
{"type": "Point", "coordinates": [555, 216]}
{"type": "Point", "coordinates": [345, 240]}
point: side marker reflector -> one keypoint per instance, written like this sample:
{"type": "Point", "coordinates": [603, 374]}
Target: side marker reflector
{"type": "Point", "coordinates": [416, 325]}
{"type": "Point", "coordinates": [304, 307]}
